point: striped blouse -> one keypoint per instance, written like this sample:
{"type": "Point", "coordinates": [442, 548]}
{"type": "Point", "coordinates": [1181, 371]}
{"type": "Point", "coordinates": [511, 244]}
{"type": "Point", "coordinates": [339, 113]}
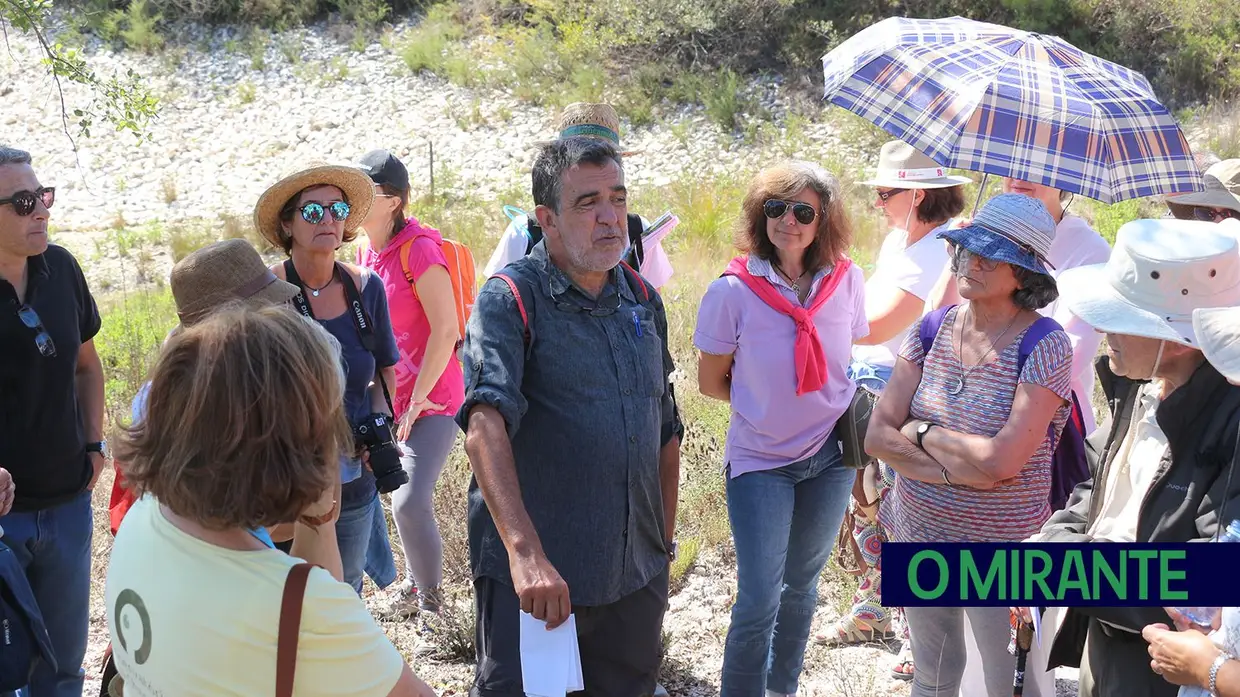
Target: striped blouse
{"type": "Point", "coordinates": [915, 511]}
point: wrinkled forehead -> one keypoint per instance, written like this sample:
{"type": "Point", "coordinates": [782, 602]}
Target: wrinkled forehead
{"type": "Point", "coordinates": [17, 177]}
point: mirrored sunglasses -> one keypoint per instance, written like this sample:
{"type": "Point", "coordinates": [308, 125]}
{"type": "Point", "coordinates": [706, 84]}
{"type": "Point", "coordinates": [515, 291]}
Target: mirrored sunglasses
{"type": "Point", "coordinates": [803, 212]}
{"type": "Point", "coordinates": [313, 212]}
{"type": "Point", "coordinates": [23, 202]}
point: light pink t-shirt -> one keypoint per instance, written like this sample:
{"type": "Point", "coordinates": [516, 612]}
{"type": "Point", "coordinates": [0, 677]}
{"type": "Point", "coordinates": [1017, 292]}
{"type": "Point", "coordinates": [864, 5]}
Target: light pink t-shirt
{"type": "Point", "coordinates": [771, 426]}
{"type": "Point", "coordinates": [409, 322]}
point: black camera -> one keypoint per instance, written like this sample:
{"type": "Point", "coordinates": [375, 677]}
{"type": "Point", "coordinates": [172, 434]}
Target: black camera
{"type": "Point", "coordinates": [374, 434]}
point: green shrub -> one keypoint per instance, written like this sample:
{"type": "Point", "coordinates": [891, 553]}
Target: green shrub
{"type": "Point", "coordinates": [134, 327]}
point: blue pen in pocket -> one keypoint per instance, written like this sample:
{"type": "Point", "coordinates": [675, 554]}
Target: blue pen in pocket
{"type": "Point", "coordinates": [637, 324]}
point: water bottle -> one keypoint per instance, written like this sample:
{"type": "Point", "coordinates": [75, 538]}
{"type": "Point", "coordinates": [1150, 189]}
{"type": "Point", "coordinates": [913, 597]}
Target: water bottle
{"type": "Point", "coordinates": [1204, 616]}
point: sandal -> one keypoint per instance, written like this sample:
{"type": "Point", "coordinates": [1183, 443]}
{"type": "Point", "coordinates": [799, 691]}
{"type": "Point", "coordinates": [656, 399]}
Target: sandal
{"type": "Point", "coordinates": [851, 630]}
{"type": "Point", "coordinates": [903, 669]}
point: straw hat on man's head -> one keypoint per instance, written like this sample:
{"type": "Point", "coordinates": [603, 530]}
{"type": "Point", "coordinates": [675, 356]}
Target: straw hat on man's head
{"type": "Point", "coordinates": [591, 121]}
{"type": "Point", "coordinates": [222, 273]}
{"type": "Point", "coordinates": [900, 166]}
{"type": "Point", "coordinates": [1160, 272]}
{"type": "Point", "coordinates": [358, 190]}
{"type": "Point", "coordinates": [1222, 191]}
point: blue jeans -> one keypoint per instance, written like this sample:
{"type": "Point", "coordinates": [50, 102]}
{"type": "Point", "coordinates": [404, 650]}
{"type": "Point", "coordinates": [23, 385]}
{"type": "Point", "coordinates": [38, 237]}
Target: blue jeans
{"type": "Point", "coordinates": [784, 525]}
{"type": "Point", "coordinates": [361, 534]}
{"type": "Point", "coordinates": [53, 546]}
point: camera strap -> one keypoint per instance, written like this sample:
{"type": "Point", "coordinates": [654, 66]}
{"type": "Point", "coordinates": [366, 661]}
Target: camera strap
{"type": "Point", "coordinates": [361, 319]}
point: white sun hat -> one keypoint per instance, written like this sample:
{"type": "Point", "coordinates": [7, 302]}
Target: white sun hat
{"type": "Point", "coordinates": [1159, 273]}
{"type": "Point", "coordinates": [901, 166]}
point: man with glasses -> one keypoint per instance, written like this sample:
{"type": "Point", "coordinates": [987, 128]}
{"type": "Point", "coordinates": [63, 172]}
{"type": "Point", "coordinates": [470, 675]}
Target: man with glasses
{"type": "Point", "coordinates": [51, 418]}
{"type": "Point", "coordinates": [1219, 201]}
{"type": "Point", "coordinates": [573, 439]}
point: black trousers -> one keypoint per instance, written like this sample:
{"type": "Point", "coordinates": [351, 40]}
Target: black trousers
{"type": "Point", "coordinates": [620, 643]}
{"type": "Point", "coordinates": [1117, 664]}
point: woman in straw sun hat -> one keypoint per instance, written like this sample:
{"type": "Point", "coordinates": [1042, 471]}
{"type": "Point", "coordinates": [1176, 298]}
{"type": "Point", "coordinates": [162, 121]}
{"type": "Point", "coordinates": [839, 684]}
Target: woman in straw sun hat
{"type": "Point", "coordinates": [310, 214]}
{"type": "Point", "coordinates": [588, 120]}
{"type": "Point", "coordinates": [918, 198]}
{"type": "Point", "coordinates": [970, 432]}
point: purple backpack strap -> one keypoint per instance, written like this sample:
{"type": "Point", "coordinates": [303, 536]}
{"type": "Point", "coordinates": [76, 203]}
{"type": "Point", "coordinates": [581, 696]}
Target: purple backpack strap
{"type": "Point", "coordinates": [929, 329]}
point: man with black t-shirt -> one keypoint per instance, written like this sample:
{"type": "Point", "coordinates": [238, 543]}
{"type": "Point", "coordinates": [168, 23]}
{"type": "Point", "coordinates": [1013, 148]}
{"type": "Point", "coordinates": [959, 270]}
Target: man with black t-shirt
{"type": "Point", "coordinates": [51, 418]}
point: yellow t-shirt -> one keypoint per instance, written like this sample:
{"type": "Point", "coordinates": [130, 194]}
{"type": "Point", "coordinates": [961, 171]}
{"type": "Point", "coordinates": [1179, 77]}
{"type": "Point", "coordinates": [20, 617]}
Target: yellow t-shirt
{"type": "Point", "coordinates": [190, 618]}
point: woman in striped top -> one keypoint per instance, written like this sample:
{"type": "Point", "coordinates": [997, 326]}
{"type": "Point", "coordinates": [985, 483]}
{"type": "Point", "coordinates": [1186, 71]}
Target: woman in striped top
{"type": "Point", "coordinates": [970, 430]}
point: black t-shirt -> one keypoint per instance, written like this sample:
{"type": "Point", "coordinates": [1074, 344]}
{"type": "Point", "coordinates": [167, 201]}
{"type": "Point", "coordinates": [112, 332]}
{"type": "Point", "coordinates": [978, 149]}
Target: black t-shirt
{"type": "Point", "coordinates": [42, 438]}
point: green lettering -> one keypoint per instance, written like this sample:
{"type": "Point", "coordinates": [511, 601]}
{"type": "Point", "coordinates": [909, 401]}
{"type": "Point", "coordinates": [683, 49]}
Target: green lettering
{"type": "Point", "coordinates": [1072, 576]}
{"type": "Point", "coordinates": [944, 577]}
{"type": "Point", "coordinates": [1039, 576]}
{"type": "Point", "coordinates": [1166, 575]}
{"type": "Point", "coordinates": [970, 578]}
{"type": "Point", "coordinates": [1118, 584]}
{"type": "Point", "coordinates": [1143, 556]}
{"type": "Point", "coordinates": [1014, 579]}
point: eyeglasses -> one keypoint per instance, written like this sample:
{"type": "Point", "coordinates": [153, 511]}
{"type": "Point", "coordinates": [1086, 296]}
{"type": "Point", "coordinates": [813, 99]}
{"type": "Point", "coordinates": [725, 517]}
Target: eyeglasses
{"type": "Point", "coordinates": [313, 212]}
{"type": "Point", "coordinates": [24, 201]}
{"type": "Point", "coordinates": [961, 258]}
{"type": "Point", "coordinates": [884, 196]}
{"type": "Point", "coordinates": [1205, 214]}
{"type": "Point", "coordinates": [42, 339]}
{"type": "Point", "coordinates": [803, 212]}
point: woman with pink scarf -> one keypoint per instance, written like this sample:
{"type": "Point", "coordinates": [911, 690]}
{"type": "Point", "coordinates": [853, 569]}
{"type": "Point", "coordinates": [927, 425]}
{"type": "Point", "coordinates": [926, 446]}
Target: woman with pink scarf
{"type": "Point", "coordinates": [429, 384]}
{"type": "Point", "coordinates": [776, 334]}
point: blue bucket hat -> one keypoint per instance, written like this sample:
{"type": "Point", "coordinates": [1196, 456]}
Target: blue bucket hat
{"type": "Point", "coordinates": [23, 636]}
{"type": "Point", "coordinates": [1012, 228]}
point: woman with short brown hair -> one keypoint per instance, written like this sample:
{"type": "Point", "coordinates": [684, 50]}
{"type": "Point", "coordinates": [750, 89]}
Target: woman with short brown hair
{"type": "Point", "coordinates": [193, 593]}
{"type": "Point", "coordinates": [775, 333]}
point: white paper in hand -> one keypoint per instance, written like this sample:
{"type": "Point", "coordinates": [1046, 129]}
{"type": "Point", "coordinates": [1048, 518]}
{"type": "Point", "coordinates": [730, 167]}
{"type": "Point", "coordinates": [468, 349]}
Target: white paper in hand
{"type": "Point", "coordinates": [550, 660]}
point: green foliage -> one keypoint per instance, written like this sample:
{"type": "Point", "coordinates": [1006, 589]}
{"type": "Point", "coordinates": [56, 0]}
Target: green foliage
{"type": "Point", "coordinates": [185, 239]}
{"type": "Point", "coordinates": [134, 327]}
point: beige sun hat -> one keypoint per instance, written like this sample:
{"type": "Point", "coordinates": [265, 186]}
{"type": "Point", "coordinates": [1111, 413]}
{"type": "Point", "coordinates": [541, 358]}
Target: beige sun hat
{"type": "Point", "coordinates": [359, 193]}
{"type": "Point", "coordinates": [900, 166]}
{"type": "Point", "coordinates": [1222, 182]}
{"type": "Point", "coordinates": [591, 120]}
{"type": "Point", "coordinates": [1159, 274]}
{"type": "Point", "coordinates": [224, 272]}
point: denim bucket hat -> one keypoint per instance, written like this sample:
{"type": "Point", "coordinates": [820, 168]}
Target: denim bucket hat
{"type": "Point", "coordinates": [1011, 228]}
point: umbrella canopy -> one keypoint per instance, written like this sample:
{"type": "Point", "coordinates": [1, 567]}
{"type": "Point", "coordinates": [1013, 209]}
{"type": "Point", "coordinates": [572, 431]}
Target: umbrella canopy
{"type": "Point", "coordinates": [988, 98]}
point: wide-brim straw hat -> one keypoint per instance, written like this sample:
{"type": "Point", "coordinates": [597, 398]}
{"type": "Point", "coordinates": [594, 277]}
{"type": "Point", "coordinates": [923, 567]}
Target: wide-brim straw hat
{"type": "Point", "coordinates": [900, 166]}
{"type": "Point", "coordinates": [1159, 274]}
{"type": "Point", "coordinates": [222, 273]}
{"type": "Point", "coordinates": [1222, 190]}
{"type": "Point", "coordinates": [590, 120]}
{"type": "Point", "coordinates": [359, 193]}
{"type": "Point", "coordinates": [1010, 228]}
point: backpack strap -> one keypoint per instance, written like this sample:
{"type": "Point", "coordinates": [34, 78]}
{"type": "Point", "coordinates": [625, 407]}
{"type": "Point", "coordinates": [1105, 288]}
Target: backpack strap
{"type": "Point", "coordinates": [929, 329]}
{"type": "Point", "coordinates": [636, 232]}
{"type": "Point", "coordinates": [1037, 332]}
{"type": "Point", "coordinates": [290, 627]}
{"type": "Point", "coordinates": [640, 283]}
{"type": "Point", "coordinates": [516, 295]}
{"type": "Point", "coordinates": [405, 249]}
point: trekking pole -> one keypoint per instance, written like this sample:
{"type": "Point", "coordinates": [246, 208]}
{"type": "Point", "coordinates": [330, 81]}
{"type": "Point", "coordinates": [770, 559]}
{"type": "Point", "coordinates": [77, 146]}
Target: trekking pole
{"type": "Point", "coordinates": [1024, 642]}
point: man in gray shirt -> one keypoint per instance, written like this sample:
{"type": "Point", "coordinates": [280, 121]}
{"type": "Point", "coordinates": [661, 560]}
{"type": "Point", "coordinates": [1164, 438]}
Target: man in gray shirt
{"type": "Point", "coordinates": [573, 437]}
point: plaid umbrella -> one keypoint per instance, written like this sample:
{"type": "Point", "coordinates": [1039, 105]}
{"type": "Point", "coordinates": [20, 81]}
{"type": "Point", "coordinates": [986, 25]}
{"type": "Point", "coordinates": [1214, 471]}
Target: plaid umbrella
{"type": "Point", "coordinates": [987, 98]}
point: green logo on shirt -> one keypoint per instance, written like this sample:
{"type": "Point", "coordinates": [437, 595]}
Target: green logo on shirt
{"type": "Point", "coordinates": [128, 598]}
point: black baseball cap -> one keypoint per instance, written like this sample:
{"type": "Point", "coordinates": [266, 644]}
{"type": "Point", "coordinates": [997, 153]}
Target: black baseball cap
{"type": "Point", "coordinates": [383, 168]}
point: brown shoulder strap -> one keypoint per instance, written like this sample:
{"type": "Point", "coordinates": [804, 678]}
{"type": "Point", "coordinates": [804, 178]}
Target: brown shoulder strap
{"type": "Point", "coordinates": [290, 627]}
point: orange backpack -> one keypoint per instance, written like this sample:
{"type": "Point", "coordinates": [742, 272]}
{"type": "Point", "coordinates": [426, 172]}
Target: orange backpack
{"type": "Point", "coordinates": [460, 270]}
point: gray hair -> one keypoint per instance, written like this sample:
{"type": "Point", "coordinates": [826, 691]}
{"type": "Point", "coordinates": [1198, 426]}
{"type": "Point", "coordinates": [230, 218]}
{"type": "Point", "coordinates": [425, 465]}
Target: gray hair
{"type": "Point", "coordinates": [13, 156]}
{"type": "Point", "coordinates": [1037, 290]}
{"type": "Point", "coordinates": [559, 156]}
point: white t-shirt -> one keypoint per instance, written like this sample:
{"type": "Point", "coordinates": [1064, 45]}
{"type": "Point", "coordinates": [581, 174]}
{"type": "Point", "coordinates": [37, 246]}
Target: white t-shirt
{"type": "Point", "coordinates": [914, 269]}
{"type": "Point", "coordinates": [1077, 244]}
{"type": "Point", "coordinates": [189, 618]}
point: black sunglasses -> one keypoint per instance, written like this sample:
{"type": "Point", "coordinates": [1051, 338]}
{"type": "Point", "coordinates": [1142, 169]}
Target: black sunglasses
{"type": "Point", "coordinates": [885, 195]}
{"type": "Point", "coordinates": [803, 212]}
{"type": "Point", "coordinates": [42, 339]}
{"type": "Point", "coordinates": [1205, 214]}
{"type": "Point", "coordinates": [313, 212]}
{"type": "Point", "coordinates": [24, 201]}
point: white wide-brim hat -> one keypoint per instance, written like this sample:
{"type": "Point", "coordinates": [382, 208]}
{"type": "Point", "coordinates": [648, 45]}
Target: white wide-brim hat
{"type": "Point", "coordinates": [1160, 272]}
{"type": "Point", "coordinates": [1218, 330]}
{"type": "Point", "coordinates": [900, 166]}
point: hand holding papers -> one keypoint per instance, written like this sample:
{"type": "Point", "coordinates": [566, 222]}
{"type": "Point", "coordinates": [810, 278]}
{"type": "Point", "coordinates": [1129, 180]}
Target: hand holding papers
{"type": "Point", "coordinates": [550, 659]}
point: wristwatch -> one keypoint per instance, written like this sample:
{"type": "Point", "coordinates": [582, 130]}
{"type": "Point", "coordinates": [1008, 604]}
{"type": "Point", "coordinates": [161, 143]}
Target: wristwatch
{"type": "Point", "coordinates": [922, 430]}
{"type": "Point", "coordinates": [1214, 668]}
{"type": "Point", "coordinates": [99, 446]}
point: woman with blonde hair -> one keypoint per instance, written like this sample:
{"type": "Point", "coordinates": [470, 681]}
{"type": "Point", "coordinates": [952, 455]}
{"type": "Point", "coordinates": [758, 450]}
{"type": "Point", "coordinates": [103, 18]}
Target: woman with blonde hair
{"type": "Point", "coordinates": [775, 334]}
{"type": "Point", "coordinates": [198, 602]}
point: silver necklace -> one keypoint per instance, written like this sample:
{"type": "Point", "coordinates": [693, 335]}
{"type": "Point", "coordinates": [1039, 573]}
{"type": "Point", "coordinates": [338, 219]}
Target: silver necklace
{"type": "Point", "coordinates": [315, 291]}
{"type": "Point", "coordinates": [796, 287]}
{"type": "Point", "coordinates": [965, 371]}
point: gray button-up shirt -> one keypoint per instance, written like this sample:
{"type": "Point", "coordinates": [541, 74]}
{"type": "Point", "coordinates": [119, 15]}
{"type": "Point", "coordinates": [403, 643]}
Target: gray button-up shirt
{"type": "Point", "coordinates": [586, 402]}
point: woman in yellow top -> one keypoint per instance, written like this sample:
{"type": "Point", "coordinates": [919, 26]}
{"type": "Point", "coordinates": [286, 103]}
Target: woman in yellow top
{"type": "Point", "coordinates": [244, 429]}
